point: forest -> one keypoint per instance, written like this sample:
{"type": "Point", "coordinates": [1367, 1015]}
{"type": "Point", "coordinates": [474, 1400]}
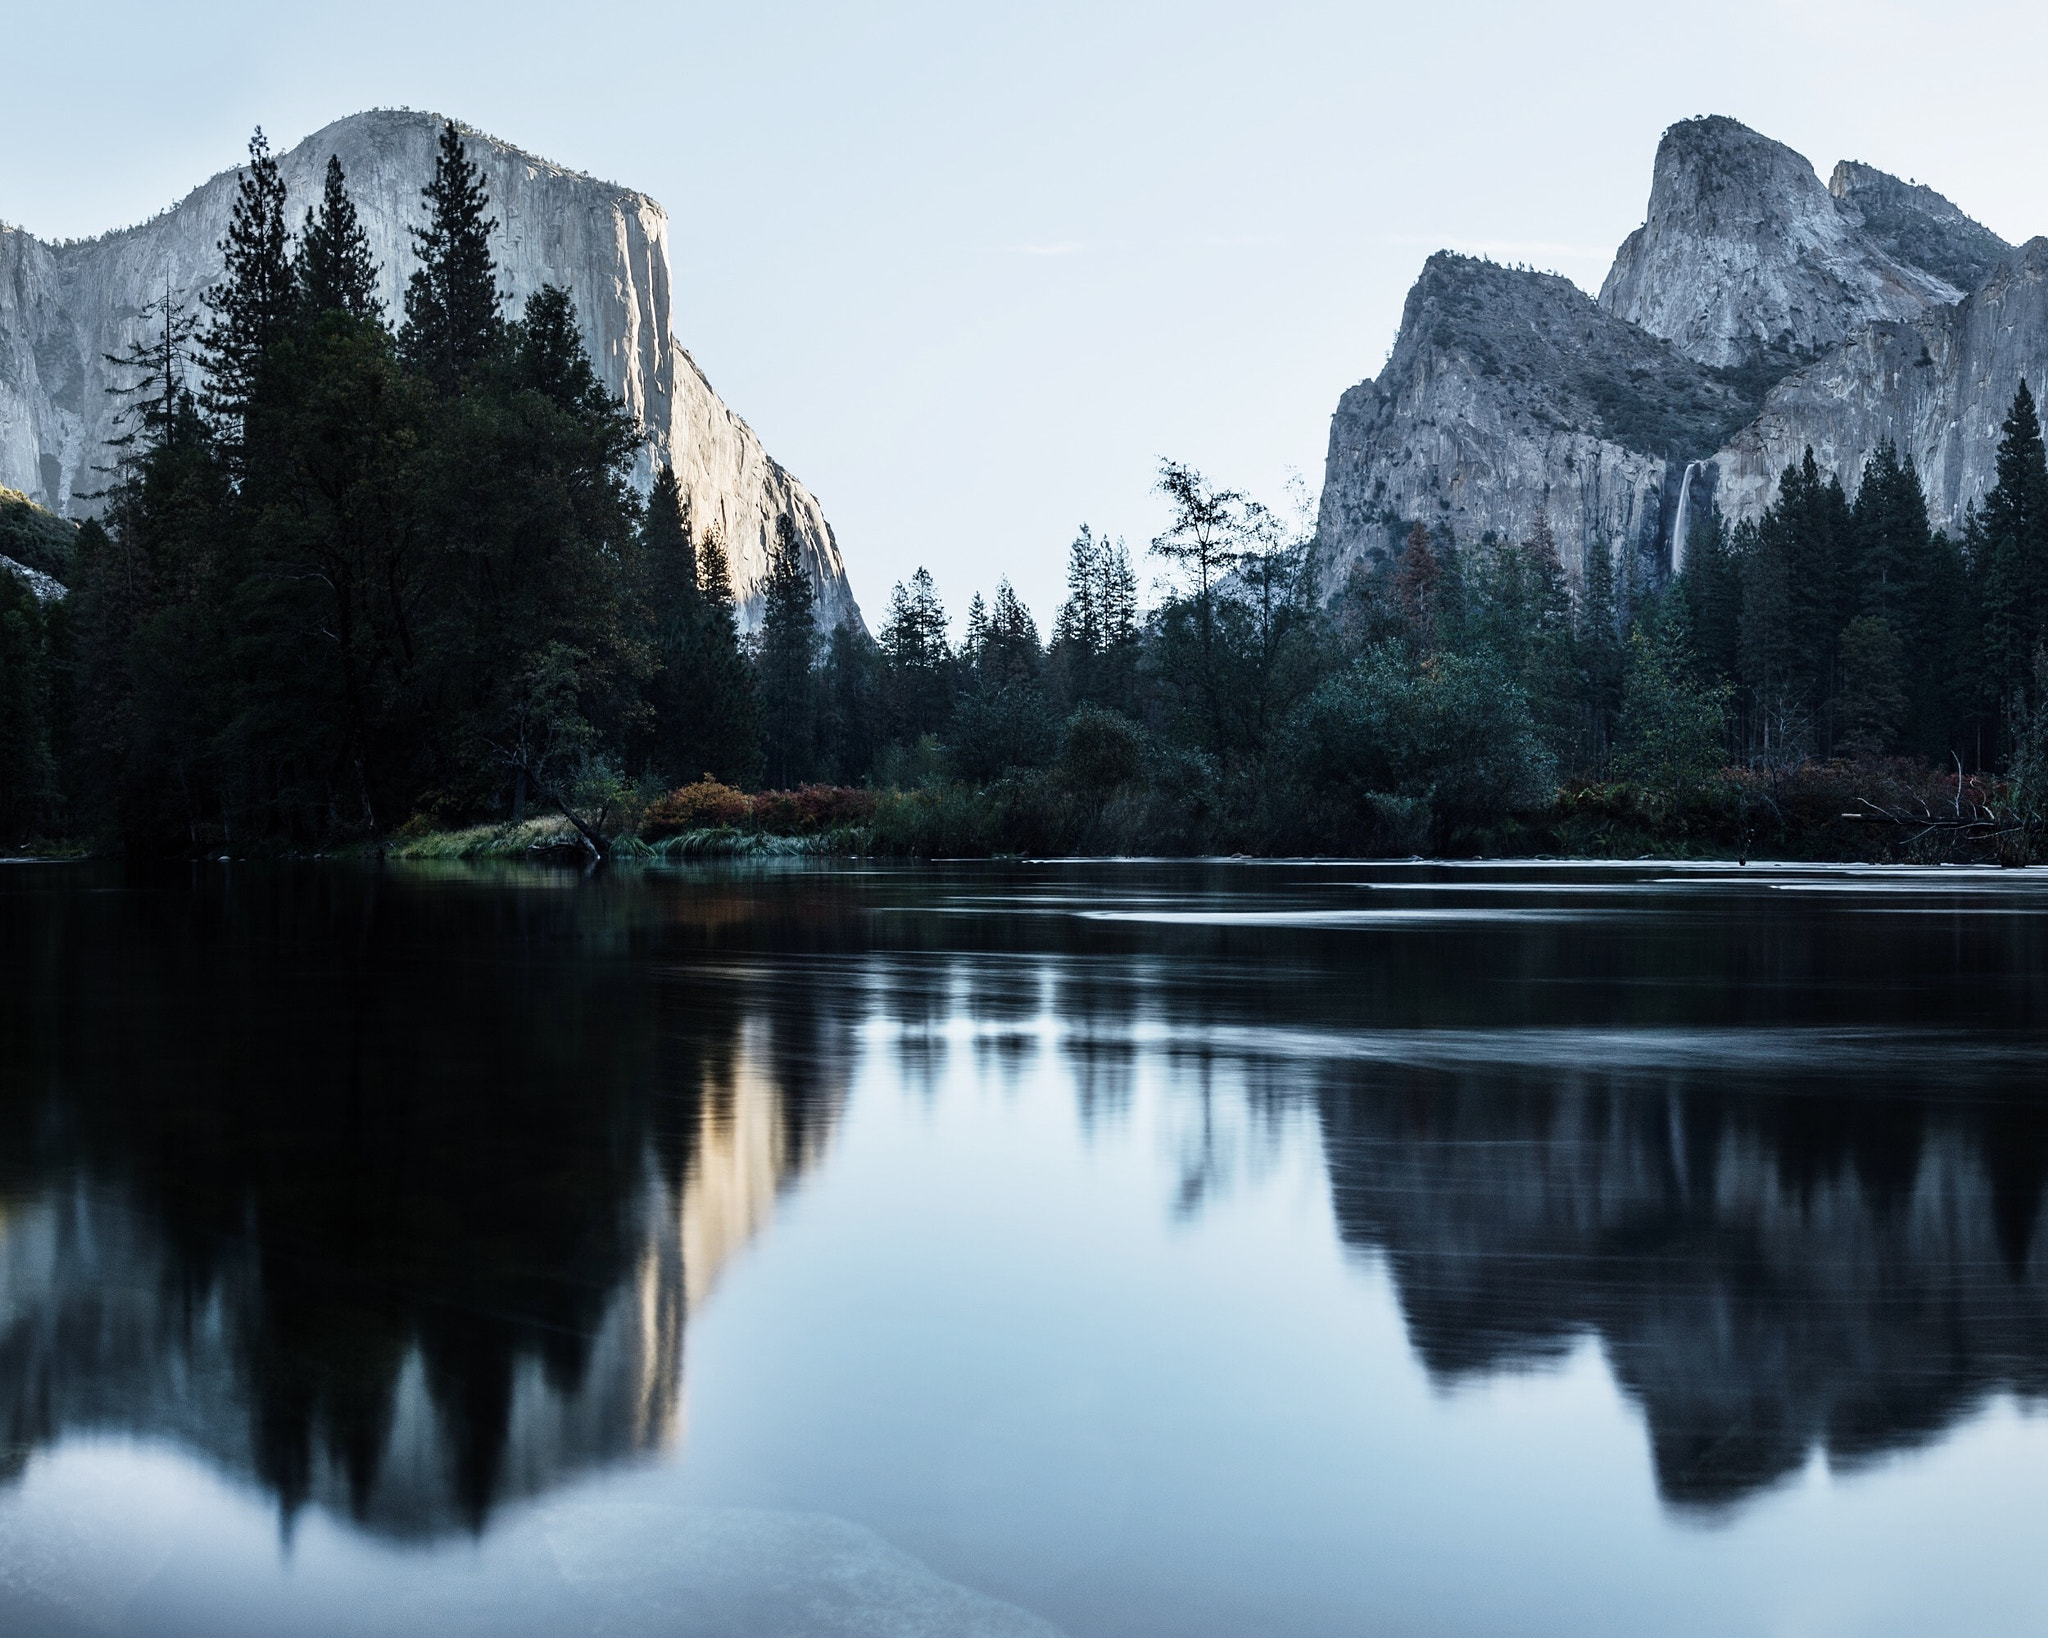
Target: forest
{"type": "Point", "coordinates": [381, 582]}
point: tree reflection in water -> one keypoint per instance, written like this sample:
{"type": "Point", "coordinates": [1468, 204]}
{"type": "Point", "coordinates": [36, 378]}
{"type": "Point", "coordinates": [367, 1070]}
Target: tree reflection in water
{"type": "Point", "coordinates": [395, 1194]}
{"type": "Point", "coordinates": [394, 1199]}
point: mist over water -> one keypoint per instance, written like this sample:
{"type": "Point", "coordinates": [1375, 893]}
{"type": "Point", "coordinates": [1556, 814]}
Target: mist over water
{"type": "Point", "coordinates": [1084, 1248]}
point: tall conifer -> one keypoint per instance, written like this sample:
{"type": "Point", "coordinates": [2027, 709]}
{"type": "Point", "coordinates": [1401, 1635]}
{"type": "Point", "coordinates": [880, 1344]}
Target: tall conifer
{"type": "Point", "coordinates": [453, 307]}
{"type": "Point", "coordinates": [2013, 547]}
{"type": "Point", "coordinates": [788, 652]}
{"type": "Point", "coordinates": [257, 293]}
{"type": "Point", "coordinates": [336, 270]}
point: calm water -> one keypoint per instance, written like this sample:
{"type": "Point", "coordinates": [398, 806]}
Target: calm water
{"type": "Point", "coordinates": [1024, 1250]}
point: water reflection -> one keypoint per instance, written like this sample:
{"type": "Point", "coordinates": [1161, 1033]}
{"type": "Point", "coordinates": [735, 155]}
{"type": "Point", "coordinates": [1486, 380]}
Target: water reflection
{"type": "Point", "coordinates": [1769, 1273]}
{"type": "Point", "coordinates": [396, 1196]}
{"type": "Point", "coordinates": [394, 1201]}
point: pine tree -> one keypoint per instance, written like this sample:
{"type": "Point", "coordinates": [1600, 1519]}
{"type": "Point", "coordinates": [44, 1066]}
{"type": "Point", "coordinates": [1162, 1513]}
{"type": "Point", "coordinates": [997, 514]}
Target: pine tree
{"type": "Point", "coordinates": [256, 297]}
{"type": "Point", "coordinates": [2014, 552]}
{"type": "Point", "coordinates": [453, 308]}
{"type": "Point", "coordinates": [552, 358]}
{"type": "Point", "coordinates": [679, 623]}
{"type": "Point", "coordinates": [336, 272]}
{"type": "Point", "coordinates": [665, 536]}
{"type": "Point", "coordinates": [160, 409]}
{"type": "Point", "coordinates": [787, 655]}
{"type": "Point", "coordinates": [917, 662]}
{"type": "Point", "coordinates": [729, 711]}
{"type": "Point", "coordinates": [1602, 660]}
{"type": "Point", "coordinates": [1891, 536]}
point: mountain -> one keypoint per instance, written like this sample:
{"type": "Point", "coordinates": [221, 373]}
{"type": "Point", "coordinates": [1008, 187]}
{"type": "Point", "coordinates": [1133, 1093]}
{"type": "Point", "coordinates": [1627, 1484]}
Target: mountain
{"type": "Point", "coordinates": [1754, 313]}
{"type": "Point", "coordinates": [1744, 254]}
{"type": "Point", "coordinates": [64, 306]}
{"type": "Point", "coordinates": [1512, 396]}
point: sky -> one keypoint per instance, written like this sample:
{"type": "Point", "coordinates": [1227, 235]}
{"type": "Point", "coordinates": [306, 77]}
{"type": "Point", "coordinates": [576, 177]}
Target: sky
{"type": "Point", "coordinates": [971, 272]}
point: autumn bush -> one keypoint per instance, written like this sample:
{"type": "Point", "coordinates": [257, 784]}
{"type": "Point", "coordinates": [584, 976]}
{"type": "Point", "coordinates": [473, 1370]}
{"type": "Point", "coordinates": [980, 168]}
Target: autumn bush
{"type": "Point", "coordinates": [809, 810]}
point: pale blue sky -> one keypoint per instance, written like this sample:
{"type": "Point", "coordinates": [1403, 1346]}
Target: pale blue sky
{"type": "Point", "coordinates": [970, 271]}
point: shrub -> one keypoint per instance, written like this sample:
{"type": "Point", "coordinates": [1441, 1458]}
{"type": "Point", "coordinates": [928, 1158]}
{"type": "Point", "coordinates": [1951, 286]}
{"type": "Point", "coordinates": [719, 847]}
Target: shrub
{"type": "Point", "coordinates": [705, 805]}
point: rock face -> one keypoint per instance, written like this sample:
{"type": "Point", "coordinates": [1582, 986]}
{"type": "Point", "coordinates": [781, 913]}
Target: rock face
{"type": "Point", "coordinates": [64, 306]}
{"type": "Point", "coordinates": [1938, 388]}
{"type": "Point", "coordinates": [1511, 397]}
{"type": "Point", "coordinates": [1744, 254]}
{"type": "Point", "coordinates": [1754, 313]}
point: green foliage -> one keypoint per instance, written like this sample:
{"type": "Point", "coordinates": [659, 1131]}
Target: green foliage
{"type": "Point", "coordinates": [335, 270]}
{"type": "Point", "coordinates": [1455, 731]}
{"type": "Point", "coordinates": [257, 296]}
{"type": "Point", "coordinates": [31, 657]}
{"type": "Point", "coordinates": [1101, 751]}
{"type": "Point", "coordinates": [453, 308]}
{"type": "Point", "coordinates": [786, 656]}
{"type": "Point", "coordinates": [2010, 552]}
{"type": "Point", "coordinates": [1673, 729]}
{"type": "Point", "coordinates": [35, 538]}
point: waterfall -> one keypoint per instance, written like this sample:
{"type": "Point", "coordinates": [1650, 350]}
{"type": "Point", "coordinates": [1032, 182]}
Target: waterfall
{"type": "Point", "coordinates": [1678, 523]}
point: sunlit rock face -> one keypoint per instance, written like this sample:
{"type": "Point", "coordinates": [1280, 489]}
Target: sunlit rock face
{"type": "Point", "coordinates": [1755, 313]}
{"type": "Point", "coordinates": [63, 307]}
{"type": "Point", "coordinates": [1767, 1276]}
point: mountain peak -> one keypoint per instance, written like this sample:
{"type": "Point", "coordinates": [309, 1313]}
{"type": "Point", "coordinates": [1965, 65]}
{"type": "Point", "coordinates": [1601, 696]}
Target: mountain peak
{"type": "Point", "coordinates": [1744, 257]}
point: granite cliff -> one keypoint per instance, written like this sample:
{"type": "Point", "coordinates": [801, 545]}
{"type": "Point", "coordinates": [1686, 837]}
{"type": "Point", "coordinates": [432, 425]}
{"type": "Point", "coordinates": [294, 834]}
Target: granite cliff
{"type": "Point", "coordinates": [1754, 313]}
{"type": "Point", "coordinates": [64, 306]}
{"type": "Point", "coordinates": [1744, 254]}
{"type": "Point", "coordinates": [1512, 396]}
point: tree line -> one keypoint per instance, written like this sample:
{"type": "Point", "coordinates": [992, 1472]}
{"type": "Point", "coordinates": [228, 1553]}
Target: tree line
{"type": "Point", "coordinates": [355, 574]}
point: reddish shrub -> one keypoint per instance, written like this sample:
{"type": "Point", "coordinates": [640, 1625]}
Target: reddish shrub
{"type": "Point", "coordinates": [806, 811]}
{"type": "Point", "coordinates": [706, 805]}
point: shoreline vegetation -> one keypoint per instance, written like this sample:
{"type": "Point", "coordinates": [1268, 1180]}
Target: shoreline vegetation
{"type": "Point", "coordinates": [373, 587]}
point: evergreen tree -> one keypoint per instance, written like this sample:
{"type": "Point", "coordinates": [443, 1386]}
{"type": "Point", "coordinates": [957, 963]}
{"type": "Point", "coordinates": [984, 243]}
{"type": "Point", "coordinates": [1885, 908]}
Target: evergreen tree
{"type": "Point", "coordinates": [849, 733]}
{"type": "Point", "coordinates": [453, 308]}
{"type": "Point", "coordinates": [160, 407]}
{"type": "Point", "coordinates": [917, 663]}
{"type": "Point", "coordinates": [1891, 536]}
{"type": "Point", "coordinates": [256, 297]}
{"type": "Point", "coordinates": [336, 272]}
{"type": "Point", "coordinates": [1602, 659]}
{"type": "Point", "coordinates": [729, 708]}
{"type": "Point", "coordinates": [787, 653]}
{"type": "Point", "coordinates": [1710, 586]}
{"type": "Point", "coordinates": [2013, 552]}
{"type": "Point", "coordinates": [30, 802]}
{"type": "Point", "coordinates": [1001, 720]}
{"type": "Point", "coordinates": [1205, 541]}
{"type": "Point", "coordinates": [677, 616]}
{"type": "Point", "coordinates": [1796, 600]}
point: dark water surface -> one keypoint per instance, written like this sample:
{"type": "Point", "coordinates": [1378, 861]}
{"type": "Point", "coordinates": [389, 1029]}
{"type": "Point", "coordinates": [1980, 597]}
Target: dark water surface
{"type": "Point", "coordinates": [1020, 1250]}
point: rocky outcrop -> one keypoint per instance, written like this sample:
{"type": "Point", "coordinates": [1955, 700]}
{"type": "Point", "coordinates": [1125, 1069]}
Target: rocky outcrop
{"type": "Point", "coordinates": [1755, 313]}
{"type": "Point", "coordinates": [1511, 397]}
{"type": "Point", "coordinates": [1938, 388]}
{"type": "Point", "coordinates": [1744, 255]}
{"type": "Point", "coordinates": [63, 307]}
{"type": "Point", "coordinates": [1913, 224]}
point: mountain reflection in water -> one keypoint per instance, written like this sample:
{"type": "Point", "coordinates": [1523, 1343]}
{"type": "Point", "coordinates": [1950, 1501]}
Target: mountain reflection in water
{"type": "Point", "coordinates": [394, 1200]}
{"type": "Point", "coordinates": [395, 1194]}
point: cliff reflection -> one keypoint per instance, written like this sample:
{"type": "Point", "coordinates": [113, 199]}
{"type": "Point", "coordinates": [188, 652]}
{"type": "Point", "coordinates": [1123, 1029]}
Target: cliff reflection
{"type": "Point", "coordinates": [1771, 1271]}
{"type": "Point", "coordinates": [394, 1199]}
